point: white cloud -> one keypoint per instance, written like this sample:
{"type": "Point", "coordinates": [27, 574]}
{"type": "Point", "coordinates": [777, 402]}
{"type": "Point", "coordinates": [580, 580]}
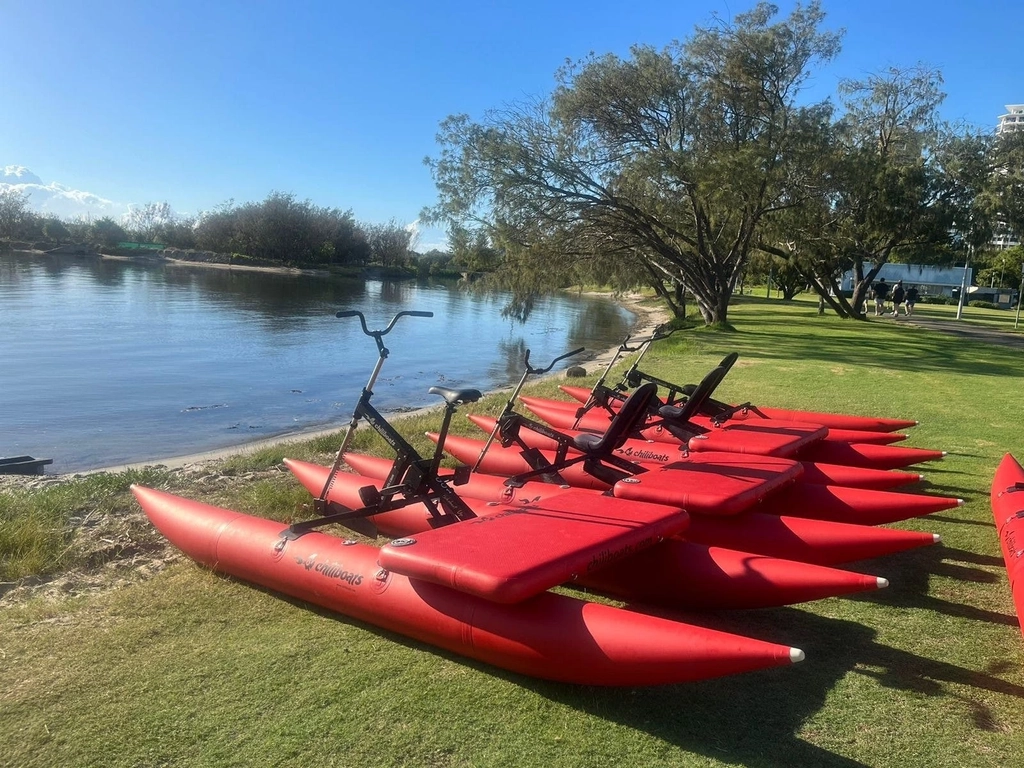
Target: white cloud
{"type": "Point", "coordinates": [426, 239]}
{"type": "Point", "coordinates": [57, 199]}
{"type": "Point", "coordinates": [18, 174]}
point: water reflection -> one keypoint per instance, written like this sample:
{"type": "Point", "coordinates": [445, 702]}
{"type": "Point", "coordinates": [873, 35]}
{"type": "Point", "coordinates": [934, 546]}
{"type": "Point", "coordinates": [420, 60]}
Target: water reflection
{"type": "Point", "coordinates": [107, 361]}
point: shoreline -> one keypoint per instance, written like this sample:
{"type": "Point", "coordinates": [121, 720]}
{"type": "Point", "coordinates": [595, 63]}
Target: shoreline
{"type": "Point", "coordinates": [647, 319]}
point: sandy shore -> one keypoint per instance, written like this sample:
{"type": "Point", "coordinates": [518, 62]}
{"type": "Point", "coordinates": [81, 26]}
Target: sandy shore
{"type": "Point", "coordinates": [647, 319]}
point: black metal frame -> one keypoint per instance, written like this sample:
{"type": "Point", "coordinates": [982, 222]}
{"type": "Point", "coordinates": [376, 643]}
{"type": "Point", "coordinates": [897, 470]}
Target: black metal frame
{"type": "Point", "coordinates": [412, 477]}
{"type": "Point", "coordinates": [597, 454]}
{"type": "Point", "coordinates": [596, 451]}
{"type": "Point", "coordinates": [603, 396]}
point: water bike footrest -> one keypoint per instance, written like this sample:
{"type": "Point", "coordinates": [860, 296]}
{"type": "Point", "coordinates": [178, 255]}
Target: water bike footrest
{"type": "Point", "coordinates": [711, 483]}
{"type": "Point", "coordinates": [523, 549]}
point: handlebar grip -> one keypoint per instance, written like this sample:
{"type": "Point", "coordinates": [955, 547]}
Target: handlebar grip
{"type": "Point", "coordinates": [347, 313]}
{"type": "Point", "coordinates": [419, 313]}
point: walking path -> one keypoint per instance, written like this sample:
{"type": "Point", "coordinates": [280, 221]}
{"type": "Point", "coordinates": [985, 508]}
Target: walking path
{"type": "Point", "coordinates": [971, 332]}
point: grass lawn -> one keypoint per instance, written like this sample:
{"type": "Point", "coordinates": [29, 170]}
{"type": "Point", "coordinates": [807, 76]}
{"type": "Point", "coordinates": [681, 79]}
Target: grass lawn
{"type": "Point", "coordinates": [190, 668]}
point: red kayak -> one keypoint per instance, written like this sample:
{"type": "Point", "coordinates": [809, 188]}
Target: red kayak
{"type": "Point", "coordinates": [549, 636]}
{"type": "Point", "coordinates": [676, 574]}
{"type": "Point", "coordinates": [1008, 510]}
{"type": "Point", "coordinates": [830, 420]}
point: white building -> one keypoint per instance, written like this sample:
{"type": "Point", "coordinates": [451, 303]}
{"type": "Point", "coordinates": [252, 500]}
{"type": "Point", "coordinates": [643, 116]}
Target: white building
{"type": "Point", "coordinates": [938, 281]}
{"type": "Point", "coordinates": [930, 280]}
{"type": "Point", "coordinates": [1013, 120]}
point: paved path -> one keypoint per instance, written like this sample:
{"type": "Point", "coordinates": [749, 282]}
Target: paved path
{"type": "Point", "coordinates": [971, 332]}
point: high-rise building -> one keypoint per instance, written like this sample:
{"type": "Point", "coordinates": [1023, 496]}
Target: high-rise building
{"type": "Point", "coordinates": [1013, 120]}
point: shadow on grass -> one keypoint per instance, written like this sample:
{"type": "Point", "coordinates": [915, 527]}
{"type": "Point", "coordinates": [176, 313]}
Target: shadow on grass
{"type": "Point", "coordinates": [856, 343]}
{"type": "Point", "coordinates": [909, 575]}
{"type": "Point", "coordinates": [756, 719]}
{"type": "Point", "coordinates": [751, 719]}
{"type": "Point", "coordinates": [966, 556]}
{"type": "Point", "coordinates": [966, 492]}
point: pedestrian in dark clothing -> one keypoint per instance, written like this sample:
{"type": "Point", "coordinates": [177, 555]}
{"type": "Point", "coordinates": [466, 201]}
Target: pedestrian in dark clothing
{"type": "Point", "coordinates": [898, 295]}
{"type": "Point", "coordinates": [911, 300]}
{"type": "Point", "coordinates": [881, 290]}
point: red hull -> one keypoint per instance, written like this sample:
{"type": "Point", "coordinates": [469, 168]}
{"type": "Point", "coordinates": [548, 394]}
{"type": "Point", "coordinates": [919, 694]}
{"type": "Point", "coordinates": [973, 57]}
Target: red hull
{"type": "Point", "coordinates": [562, 415]}
{"type": "Point", "coordinates": [859, 472]}
{"type": "Point", "coordinates": [1008, 510]}
{"type": "Point", "coordinates": [830, 420]}
{"type": "Point", "coordinates": [779, 536]}
{"type": "Point", "coordinates": [549, 636]}
{"type": "Point", "coordinates": [507, 462]}
{"type": "Point", "coordinates": [675, 574]}
{"type": "Point", "coordinates": [869, 456]}
{"type": "Point", "coordinates": [853, 505]}
{"type": "Point", "coordinates": [763, 438]}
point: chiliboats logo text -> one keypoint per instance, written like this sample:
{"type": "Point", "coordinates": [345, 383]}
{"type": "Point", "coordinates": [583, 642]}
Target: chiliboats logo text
{"type": "Point", "coordinates": [330, 570]}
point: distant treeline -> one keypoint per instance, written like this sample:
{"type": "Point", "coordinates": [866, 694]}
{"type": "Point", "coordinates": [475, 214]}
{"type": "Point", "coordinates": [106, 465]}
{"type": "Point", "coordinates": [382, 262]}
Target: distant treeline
{"type": "Point", "coordinates": [279, 229]}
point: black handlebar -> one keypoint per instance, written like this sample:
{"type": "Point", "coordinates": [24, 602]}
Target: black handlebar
{"type": "Point", "coordinates": [533, 371]}
{"type": "Point", "coordinates": [378, 334]}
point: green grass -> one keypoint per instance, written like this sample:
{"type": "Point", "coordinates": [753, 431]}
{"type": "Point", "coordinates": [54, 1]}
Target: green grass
{"type": "Point", "coordinates": [37, 527]}
{"type": "Point", "coordinates": [189, 668]}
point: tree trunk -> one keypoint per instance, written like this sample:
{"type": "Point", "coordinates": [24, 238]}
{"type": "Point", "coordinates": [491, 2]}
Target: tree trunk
{"type": "Point", "coordinates": [668, 298]}
{"type": "Point", "coordinates": [681, 298]}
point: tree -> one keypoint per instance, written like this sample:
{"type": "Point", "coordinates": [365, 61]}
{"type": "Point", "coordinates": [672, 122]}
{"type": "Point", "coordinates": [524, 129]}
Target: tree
{"type": "Point", "coordinates": [144, 222]}
{"type": "Point", "coordinates": [781, 274]}
{"type": "Point", "coordinates": [13, 212]}
{"type": "Point", "coordinates": [661, 167]}
{"type": "Point", "coordinates": [283, 229]}
{"type": "Point", "coordinates": [1002, 269]}
{"type": "Point", "coordinates": [1006, 184]}
{"type": "Point", "coordinates": [390, 243]}
{"type": "Point", "coordinates": [107, 232]}
{"type": "Point", "coordinates": [179, 232]}
{"type": "Point", "coordinates": [881, 186]}
{"type": "Point", "coordinates": [56, 230]}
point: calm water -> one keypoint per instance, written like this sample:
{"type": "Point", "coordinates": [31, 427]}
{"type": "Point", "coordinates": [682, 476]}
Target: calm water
{"type": "Point", "coordinates": [105, 363]}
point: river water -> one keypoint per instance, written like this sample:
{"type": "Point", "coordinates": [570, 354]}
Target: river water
{"type": "Point", "coordinates": [106, 362]}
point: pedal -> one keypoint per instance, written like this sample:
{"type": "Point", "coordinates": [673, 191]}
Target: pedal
{"type": "Point", "coordinates": [370, 496]}
{"type": "Point", "coordinates": [462, 474]}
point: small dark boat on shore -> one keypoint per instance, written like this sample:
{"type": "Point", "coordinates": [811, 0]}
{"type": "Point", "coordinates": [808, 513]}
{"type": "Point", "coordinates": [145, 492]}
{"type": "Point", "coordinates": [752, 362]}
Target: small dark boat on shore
{"type": "Point", "coordinates": [23, 465]}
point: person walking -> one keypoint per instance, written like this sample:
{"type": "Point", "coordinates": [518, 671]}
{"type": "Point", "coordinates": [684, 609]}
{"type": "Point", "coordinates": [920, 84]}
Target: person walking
{"type": "Point", "coordinates": [881, 290]}
{"type": "Point", "coordinates": [911, 300]}
{"type": "Point", "coordinates": [898, 295]}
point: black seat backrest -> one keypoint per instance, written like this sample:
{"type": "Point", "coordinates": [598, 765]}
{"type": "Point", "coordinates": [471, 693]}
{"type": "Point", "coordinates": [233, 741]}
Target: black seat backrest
{"type": "Point", "coordinates": [632, 412]}
{"type": "Point", "coordinates": [729, 360]}
{"type": "Point", "coordinates": [696, 401]}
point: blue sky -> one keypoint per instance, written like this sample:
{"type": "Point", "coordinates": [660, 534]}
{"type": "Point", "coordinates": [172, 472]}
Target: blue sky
{"type": "Point", "coordinates": [195, 103]}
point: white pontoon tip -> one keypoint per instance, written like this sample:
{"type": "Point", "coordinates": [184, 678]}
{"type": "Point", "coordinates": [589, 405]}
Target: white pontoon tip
{"type": "Point", "coordinates": [945, 453]}
{"type": "Point", "coordinates": [936, 538]}
{"type": "Point", "coordinates": [960, 502]}
{"type": "Point", "coordinates": [795, 655]}
{"type": "Point", "coordinates": [920, 477]}
{"type": "Point", "coordinates": [882, 583]}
